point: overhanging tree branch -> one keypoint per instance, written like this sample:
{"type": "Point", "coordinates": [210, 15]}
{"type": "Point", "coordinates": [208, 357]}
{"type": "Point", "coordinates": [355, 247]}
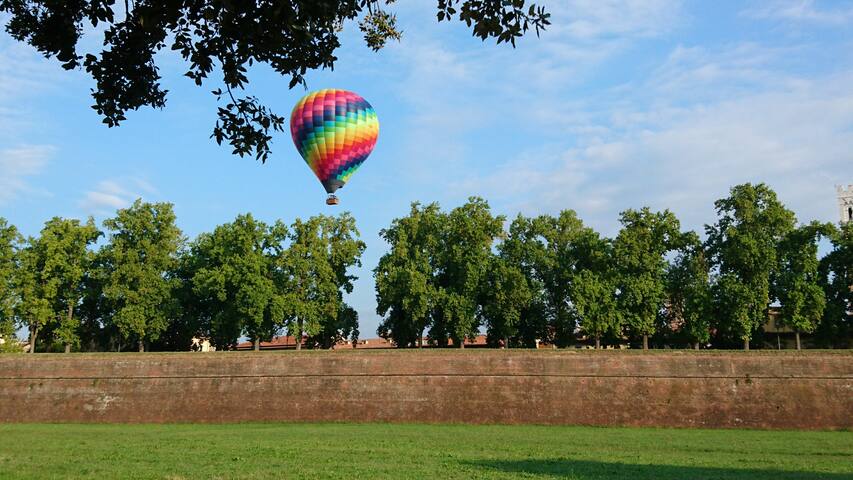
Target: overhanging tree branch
{"type": "Point", "coordinates": [291, 36]}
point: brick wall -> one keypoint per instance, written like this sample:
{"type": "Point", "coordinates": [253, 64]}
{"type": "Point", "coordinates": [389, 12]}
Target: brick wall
{"type": "Point", "coordinates": [684, 389]}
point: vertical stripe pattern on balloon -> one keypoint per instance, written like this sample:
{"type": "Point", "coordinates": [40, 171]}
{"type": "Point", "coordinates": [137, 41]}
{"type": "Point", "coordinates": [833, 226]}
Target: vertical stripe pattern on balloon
{"type": "Point", "coordinates": [334, 131]}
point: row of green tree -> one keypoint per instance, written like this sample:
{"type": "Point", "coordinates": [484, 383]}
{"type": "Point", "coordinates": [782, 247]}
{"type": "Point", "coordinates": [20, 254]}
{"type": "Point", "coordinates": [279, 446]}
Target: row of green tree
{"type": "Point", "coordinates": [144, 284]}
{"type": "Point", "coordinates": [448, 275]}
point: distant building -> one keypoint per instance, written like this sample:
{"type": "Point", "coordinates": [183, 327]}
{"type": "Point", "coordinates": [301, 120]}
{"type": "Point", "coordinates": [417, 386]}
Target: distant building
{"type": "Point", "coordinates": [367, 343]}
{"type": "Point", "coordinates": [281, 342]}
{"type": "Point", "coordinates": [286, 342]}
{"type": "Point", "coordinates": [845, 203]}
{"type": "Point", "coordinates": [202, 345]}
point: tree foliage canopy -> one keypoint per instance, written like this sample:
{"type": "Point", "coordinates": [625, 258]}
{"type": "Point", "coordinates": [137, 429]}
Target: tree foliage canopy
{"type": "Point", "coordinates": [236, 281]}
{"type": "Point", "coordinates": [506, 298]}
{"type": "Point", "coordinates": [10, 242]}
{"type": "Point", "coordinates": [437, 272]}
{"type": "Point", "coordinates": [594, 300]}
{"type": "Point", "coordinates": [225, 39]}
{"type": "Point", "coordinates": [52, 267]}
{"type": "Point", "coordinates": [524, 249]}
{"type": "Point", "coordinates": [796, 282]}
{"type": "Point", "coordinates": [321, 252]}
{"type": "Point", "coordinates": [688, 291]}
{"type": "Point", "coordinates": [639, 256]}
{"type": "Point", "coordinates": [570, 248]}
{"type": "Point", "coordinates": [464, 257]}
{"type": "Point", "coordinates": [406, 285]}
{"type": "Point", "coordinates": [742, 250]}
{"type": "Point", "coordinates": [135, 267]}
{"type": "Point", "coordinates": [836, 278]}
{"type": "Point", "coordinates": [446, 277]}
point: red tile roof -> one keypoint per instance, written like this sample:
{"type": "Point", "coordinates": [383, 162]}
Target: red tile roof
{"type": "Point", "coordinates": [277, 343]}
{"type": "Point", "coordinates": [288, 342]}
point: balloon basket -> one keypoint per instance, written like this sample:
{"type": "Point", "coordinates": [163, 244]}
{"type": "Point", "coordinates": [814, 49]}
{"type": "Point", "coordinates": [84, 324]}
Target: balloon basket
{"type": "Point", "coordinates": [332, 200]}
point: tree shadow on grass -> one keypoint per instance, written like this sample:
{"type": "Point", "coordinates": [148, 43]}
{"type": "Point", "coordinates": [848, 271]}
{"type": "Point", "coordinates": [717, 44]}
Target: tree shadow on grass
{"type": "Point", "coordinates": [590, 470]}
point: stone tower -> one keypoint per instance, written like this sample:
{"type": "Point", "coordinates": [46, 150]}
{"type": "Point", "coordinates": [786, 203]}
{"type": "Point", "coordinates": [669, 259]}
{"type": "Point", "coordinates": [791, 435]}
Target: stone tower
{"type": "Point", "coordinates": [845, 203]}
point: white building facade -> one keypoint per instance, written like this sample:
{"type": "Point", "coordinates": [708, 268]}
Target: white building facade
{"type": "Point", "coordinates": [845, 203]}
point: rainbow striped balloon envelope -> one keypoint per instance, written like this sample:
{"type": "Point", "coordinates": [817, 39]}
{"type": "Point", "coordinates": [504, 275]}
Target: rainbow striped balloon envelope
{"type": "Point", "coordinates": [334, 131]}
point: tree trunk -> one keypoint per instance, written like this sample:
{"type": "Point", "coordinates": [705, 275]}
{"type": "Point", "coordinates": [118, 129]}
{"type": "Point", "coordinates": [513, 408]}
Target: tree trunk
{"type": "Point", "coordinates": [34, 332]}
{"type": "Point", "coordinates": [462, 342]}
{"type": "Point", "coordinates": [696, 346]}
{"type": "Point", "coordinates": [257, 344]}
{"type": "Point", "coordinates": [70, 317]}
{"type": "Point", "coordinates": [141, 345]}
{"type": "Point", "coordinates": [299, 338]}
{"type": "Point", "coordinates": [598, 342]}
{"type": "Point", "coordinates": [746, 344]}
{"type": "Point", "coordinates": [645, 342]}
{"type": "Point", "coordinates": [798, 340]}
{"type": "Point", "coordinates": [506, 342]}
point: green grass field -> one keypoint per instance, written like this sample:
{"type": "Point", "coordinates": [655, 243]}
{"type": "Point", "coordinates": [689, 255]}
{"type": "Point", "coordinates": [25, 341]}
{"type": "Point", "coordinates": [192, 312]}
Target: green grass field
{"type": "Point", "coordinates": [417, 451]}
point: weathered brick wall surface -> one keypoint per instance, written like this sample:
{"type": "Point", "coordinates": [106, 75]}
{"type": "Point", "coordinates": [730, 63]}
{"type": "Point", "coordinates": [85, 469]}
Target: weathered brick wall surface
{"type": "Point", "coordinates": [684, 389]}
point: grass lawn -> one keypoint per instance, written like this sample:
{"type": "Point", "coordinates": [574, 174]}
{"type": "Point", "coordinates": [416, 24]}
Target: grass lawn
{"type": "Point", "coordinates": [417, 451]}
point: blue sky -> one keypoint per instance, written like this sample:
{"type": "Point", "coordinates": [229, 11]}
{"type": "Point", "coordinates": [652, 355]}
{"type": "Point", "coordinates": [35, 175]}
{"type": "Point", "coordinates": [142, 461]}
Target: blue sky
{"type": "Point", "coordinates": [620, 104]}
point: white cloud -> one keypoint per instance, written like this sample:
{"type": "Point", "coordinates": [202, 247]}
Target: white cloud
{"type": "Point", "coordinates": [24, 76]}
{"type": "Point", "coordinates": [801, 11]}
{"type": "Point", "coordinates": [583, 34]}
{"type": "Point", "coordinates": [113, 194]}
{"type": "Point", "coordinates": [597, 19]}
{"type": "Point", "coordinates": [702, 123]}
{"type": "Point", "coordinates": [455, 90]}
{"type": "Point", "coordinates": [740, 67]}
{"type": "Point", "coordinates": [23, 71]}
{"type": "Point", "coordinates": [18, 163]}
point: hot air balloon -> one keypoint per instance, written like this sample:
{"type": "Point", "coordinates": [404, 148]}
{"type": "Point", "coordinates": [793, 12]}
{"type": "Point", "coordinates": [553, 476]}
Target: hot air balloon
{"type": "Point", "coordinates": [334, 131]}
